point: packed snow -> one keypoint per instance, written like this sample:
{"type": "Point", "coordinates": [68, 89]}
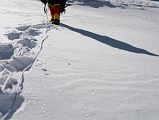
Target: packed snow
{"type": "Point", "coordinates": [101, 63]}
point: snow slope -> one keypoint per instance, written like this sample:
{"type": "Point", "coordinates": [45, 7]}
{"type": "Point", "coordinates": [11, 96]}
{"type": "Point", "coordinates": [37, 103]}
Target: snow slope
{"type": "Point", "coordinates": [100, 64]}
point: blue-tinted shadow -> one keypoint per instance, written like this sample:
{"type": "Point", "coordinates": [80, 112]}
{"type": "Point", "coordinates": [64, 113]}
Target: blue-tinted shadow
{"type": "Point", "coordinates": [110, 41]}
{"type": "Point", "coordinates": [93, 3]}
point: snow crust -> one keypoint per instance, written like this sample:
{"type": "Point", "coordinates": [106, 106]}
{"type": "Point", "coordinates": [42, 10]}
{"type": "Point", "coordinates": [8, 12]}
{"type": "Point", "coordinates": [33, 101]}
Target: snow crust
{"type": "Point", "coordinates": [101, 63]}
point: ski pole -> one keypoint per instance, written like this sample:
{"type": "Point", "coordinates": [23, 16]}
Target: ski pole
{"type": "Point", "coordinates": [45, 11]}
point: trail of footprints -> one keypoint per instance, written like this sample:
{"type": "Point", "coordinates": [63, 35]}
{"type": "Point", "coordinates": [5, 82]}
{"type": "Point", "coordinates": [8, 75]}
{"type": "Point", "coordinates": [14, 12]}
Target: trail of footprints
{"type": "Point", "coordinates": [15, 56]}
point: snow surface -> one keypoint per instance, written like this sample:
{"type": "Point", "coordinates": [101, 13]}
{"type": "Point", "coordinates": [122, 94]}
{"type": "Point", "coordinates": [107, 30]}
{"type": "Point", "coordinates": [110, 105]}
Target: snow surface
{"type": "Point", "coordinates": [101, 63]}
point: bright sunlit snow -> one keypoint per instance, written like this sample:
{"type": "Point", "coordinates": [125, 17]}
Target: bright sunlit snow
{"type": "Point", "coordinates": [101, 63]}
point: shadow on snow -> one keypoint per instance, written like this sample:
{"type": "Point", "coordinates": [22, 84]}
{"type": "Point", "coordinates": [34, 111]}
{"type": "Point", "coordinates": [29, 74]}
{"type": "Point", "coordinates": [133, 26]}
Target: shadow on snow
{"type": "Point", "coordinates": [120, 4]}
{"type": "Point", "coordinates": [110, 41]}
{"type": "Point", "coordinates": [7, 103]}
{"type": "Point", "coordinates": [93, 3]}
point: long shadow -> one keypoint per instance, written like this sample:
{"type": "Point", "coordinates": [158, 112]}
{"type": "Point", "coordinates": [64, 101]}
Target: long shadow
{"type": "Point", "coordinates": [110, 41]}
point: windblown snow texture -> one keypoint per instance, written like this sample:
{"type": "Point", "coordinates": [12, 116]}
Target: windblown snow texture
{"type": "Point", "coordinates": [101, 63]}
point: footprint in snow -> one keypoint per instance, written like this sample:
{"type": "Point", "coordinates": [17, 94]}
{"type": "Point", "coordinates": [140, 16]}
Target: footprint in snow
{"type": "Point", "coordinates": [16, 56]}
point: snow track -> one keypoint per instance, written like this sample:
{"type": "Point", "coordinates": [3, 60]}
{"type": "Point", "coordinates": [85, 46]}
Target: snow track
{"type": "Point", "coordinates": [102, 66]}
{"type": "Point", "coordinates": [26, 44]}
